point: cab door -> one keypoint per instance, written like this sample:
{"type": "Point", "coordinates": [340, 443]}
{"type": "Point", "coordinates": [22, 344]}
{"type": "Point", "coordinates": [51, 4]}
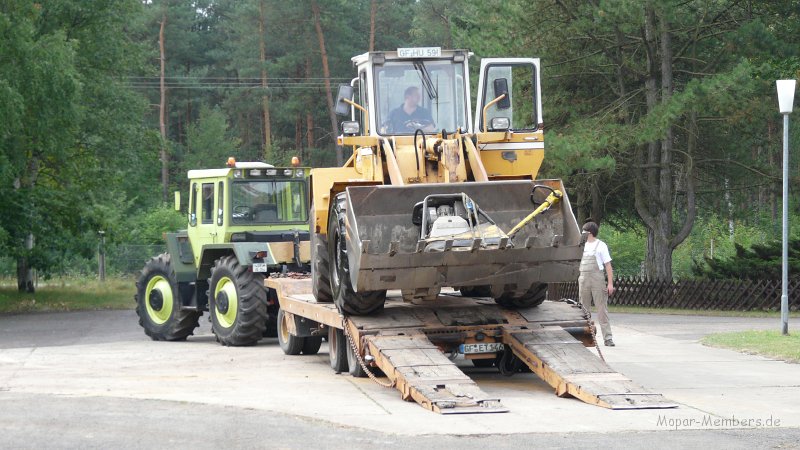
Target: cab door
{"type": "Point", "coordinates": [508, 117]}
{"type": "Point", "coordinates": [205, 217]}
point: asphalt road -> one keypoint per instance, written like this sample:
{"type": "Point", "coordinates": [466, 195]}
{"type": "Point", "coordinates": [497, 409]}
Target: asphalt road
{"type": "Point", "coordinates": [93, 380]}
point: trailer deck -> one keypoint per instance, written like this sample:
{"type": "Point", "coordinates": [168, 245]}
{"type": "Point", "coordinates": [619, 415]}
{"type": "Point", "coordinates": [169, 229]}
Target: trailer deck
{"type": "Point", "coordinates": [410, 344]}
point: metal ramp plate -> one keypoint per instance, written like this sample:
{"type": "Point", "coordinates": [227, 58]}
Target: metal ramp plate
{"type": "Point", "coordinates": [422, 373]}
{"type": "Point", "coordinates": [572, 369]}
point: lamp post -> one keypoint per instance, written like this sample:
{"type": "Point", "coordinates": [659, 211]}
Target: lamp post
{"type": "Point", "coordinates": [785, 104]}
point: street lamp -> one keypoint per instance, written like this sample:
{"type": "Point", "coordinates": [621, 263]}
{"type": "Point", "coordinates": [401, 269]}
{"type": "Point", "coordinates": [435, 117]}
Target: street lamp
{"type": "Point", "coordinates": [785, 104]}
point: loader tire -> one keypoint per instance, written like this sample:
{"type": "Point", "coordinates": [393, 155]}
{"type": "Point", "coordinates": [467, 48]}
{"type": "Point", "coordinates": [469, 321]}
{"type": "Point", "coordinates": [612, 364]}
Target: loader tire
{"type": "Point", "coordinates": [536, 294]}
{"type": "Point", "coordinates": [158, 302]}
{"type": "Point", "coordinates": [289, 343]}
{"type": "Point", "coordinates": [320, 268]}
{"type": "Point", "coordinates": [237, 303]}
{"type": "Point", "coordinates": [347, 300]}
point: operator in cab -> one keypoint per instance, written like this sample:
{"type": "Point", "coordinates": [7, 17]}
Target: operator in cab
{"type": "Point", "coordinates": [410, 117]}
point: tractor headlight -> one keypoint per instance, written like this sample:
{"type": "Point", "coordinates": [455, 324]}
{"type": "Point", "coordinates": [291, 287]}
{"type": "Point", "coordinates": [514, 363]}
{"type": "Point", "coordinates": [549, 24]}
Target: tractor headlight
{"type": "Point", "coordinates": [500, 124]}
{"type": "Point", "coordinates": [237, 173]}
{"type": "Point", "coordinates": [299, 173]}
{"type": "Point", "coordinates": [238, 237]}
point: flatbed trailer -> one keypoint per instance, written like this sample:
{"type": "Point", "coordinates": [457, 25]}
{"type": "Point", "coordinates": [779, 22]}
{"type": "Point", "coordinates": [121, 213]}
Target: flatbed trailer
{"type": "Point", "coordinates": [409, 343]}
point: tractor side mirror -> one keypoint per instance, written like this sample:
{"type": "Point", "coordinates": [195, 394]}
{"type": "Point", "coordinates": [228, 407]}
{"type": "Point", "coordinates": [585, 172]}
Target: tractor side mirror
{"type": "Point", "coordinates": [177, 200]}
{"type": "Point", "coordinates": [345, 93]}
{"type": "Point", "coordinates": [500, 88]}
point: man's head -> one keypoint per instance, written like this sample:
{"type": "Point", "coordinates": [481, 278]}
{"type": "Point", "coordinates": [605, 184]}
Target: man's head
{"type": "Point", "coordinates": [591, 227]}
{"type": "Point", "coordinates": [411, 97]}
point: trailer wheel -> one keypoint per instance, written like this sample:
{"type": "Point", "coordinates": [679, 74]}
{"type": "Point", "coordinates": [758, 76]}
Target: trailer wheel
{"type": "Point", "coordinates": [347, 300]}
{"type": "Point", "coordinates": [311, 345]}
{"type": "Point", "coordinates": [289, 343]}
{"type": "Point", "coordinates": [354, 368]}
{"type": "Point", "coordinates": [320, 266]}
{"type": "Point", "coordinates": [337, 350]}
{"type": "Point", "coordinates": [237, 303]}
{"type": "Point", "coordinates": [158, 302]}
{"type": "Point", "coordinates": [476, 291]}
{"type": "Point", "coordinates": [536, 294]}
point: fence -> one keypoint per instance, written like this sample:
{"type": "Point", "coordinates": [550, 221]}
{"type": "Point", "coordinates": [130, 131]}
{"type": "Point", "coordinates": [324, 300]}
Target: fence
{"type": "Point", "coordinates": [738, 295]}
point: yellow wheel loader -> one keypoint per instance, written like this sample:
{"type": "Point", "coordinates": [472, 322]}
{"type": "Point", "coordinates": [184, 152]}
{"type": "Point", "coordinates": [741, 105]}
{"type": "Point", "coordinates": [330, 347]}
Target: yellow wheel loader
{"type": "Point", "coordinates": [435, 197]}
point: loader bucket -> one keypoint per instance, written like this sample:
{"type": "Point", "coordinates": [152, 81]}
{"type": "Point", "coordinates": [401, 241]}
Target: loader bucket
{"type": "Point", "coordinates": [385, 251]}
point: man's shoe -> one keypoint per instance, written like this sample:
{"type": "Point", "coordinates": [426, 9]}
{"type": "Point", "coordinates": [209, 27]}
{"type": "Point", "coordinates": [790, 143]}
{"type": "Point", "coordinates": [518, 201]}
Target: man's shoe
{"type": "Point", "coordinates": [609, 343]}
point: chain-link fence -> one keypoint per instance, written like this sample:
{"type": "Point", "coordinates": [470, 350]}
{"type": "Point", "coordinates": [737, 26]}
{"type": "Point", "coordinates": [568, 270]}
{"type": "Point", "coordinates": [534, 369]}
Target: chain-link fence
{"type": "Point", "coordinates": [130, 258]}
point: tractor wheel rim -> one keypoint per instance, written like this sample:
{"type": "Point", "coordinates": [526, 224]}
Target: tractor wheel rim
{"type": "Point", "coordinates": [158, 286]}
{"type": "Point", "coordinates": [227, 287]}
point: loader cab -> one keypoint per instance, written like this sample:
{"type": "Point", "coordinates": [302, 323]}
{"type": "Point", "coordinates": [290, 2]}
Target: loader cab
{"type": "Point", "coordinates": [437, 81]}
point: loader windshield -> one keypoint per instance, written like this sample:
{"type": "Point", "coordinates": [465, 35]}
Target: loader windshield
{"type": "Point", "coordinates": [412, 95]}
{"type": "Point", "coordinates": [268, 201]}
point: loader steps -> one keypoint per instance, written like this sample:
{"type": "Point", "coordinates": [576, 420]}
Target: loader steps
{"type": "Point", "coordinates": [410, 343]}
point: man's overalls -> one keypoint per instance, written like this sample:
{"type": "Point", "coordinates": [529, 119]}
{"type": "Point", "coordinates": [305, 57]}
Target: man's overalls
{"type": "Point", "coordinates": [592, 286]}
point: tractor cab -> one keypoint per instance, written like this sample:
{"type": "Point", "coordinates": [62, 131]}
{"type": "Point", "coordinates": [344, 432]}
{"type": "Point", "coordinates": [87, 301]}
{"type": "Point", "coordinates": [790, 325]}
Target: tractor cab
{"type": "Point", "coordinates": [254, 207]}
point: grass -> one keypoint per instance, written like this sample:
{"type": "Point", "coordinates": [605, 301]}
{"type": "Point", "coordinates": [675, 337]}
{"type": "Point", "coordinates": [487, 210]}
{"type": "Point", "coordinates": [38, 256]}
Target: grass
{"type": "Point", "coordinates": [698, 312]}
{"type": "Point", "coordinates": [68, 295]}
{"type": "Point", "coordinates": [766, 343]}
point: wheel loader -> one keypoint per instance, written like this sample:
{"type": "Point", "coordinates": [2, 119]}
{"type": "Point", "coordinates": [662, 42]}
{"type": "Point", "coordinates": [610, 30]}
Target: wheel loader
{"type": "Point", "coordinates": [433, 196]}
{"type": "Point", "coordinates": [245, 221]}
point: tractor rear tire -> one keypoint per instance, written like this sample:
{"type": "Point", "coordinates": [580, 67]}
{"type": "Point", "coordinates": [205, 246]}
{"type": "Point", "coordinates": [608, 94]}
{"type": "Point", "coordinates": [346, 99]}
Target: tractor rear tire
{"type": "Point", "coordinates": [237, 303]}
{"type": "Point", "coordinates": [158, 302]}
{"type": "Point", "coordinates": [320, 268]}
{"type": "Point", "coordinates": [535, 295]}
{"type": "Point", "coordinates": [347, 300]}
{"type": "Point", "coordinates": [337, 349]}
{"type": "Point", "coordinates": [289, 343]}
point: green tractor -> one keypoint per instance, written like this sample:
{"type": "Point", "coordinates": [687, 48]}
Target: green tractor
{"type": "Point", "coordinates": [246, 221]}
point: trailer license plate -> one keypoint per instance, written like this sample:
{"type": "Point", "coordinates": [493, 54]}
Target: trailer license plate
{"type": "Point", "coordinates": [488, 347]}
{"type": "Point", "coordinates": [259, 267]}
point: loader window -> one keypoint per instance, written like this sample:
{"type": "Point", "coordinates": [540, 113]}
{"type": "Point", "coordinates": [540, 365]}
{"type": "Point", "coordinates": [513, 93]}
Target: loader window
{"type": "Point", "coordinates": [208, 203]}
{"type": "Point", "coordinates": [441, 92]}
{"type": "Point", "coordinates": [521, 79]}
{"type": "Point", "coordinates": [268, 202]}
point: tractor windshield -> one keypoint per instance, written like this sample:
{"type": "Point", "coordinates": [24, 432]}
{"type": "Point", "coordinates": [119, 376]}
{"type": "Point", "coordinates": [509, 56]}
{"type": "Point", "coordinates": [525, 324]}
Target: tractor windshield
{"type": "Point", "coordinates": [268, 201]}
{"type": "Point", "coordinates": [417, 95]}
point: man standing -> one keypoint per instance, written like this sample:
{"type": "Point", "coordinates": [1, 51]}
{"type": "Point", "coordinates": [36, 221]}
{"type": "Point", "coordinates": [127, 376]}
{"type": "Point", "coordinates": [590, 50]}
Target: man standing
{"type": "Point", "coordinates": [409, 117]}
{"type": "Point", "coordinates": [592, 285]}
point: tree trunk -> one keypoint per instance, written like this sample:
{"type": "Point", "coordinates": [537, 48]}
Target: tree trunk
{"type": "Point", "coordinates": [24, 270]}
{"type": "Point", "coordinates": [265, 98]}
{"type": "Point", "coordinates": [309, 116]}
{"type": "Point", "coordinates": [326, 73]}
{"type": "Point", "coordinates": [372, 10]}
{"type": "Point", "coordinates": [162, 113]}
{"type": "Point", "coordinates": [654, 191]}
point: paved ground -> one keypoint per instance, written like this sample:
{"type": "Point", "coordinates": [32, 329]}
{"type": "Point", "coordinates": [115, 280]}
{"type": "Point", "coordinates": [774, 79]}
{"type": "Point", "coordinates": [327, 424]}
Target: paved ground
{"type": "Point", "coordinates": [94, 380]}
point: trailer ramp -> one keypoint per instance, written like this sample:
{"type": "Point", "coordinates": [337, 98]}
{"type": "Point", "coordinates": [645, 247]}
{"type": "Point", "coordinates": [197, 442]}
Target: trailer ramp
{"type": "Point", "coordinates": [410, 344]}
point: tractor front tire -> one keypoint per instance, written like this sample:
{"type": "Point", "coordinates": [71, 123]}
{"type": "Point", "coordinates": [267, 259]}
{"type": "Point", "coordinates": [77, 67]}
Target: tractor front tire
{"type": "Point", "coordinates": [237, 303]}
{"type": "Point", "coordinates": [535, 295]}
{"type": "Point", "coordinates": [347, 300]}
{"type": "Point", "coordinates": [158, 302]}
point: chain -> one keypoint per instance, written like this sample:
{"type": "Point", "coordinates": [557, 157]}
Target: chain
{"type": "Point", "coordinates": [361, 361]}
{"type": "Point", "coordinates": [588, 316]}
